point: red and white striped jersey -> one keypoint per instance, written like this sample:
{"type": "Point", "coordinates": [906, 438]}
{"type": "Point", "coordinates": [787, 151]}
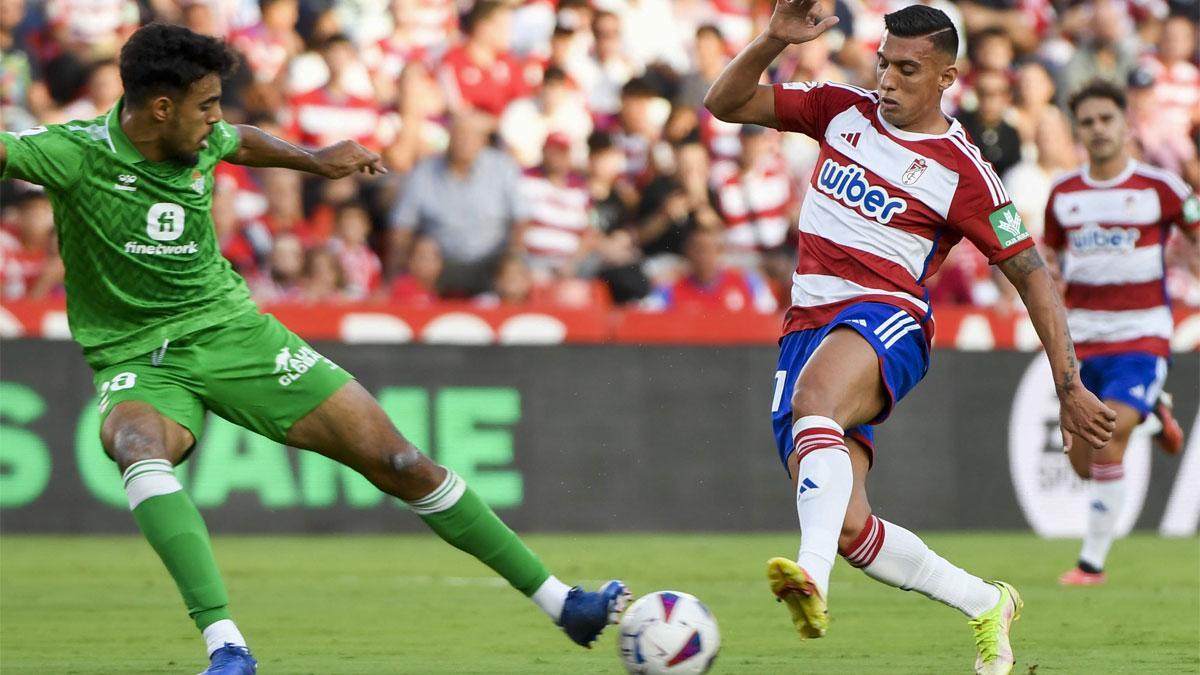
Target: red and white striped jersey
{"type": "Point", "coordinates": [885, 205]}
{"type": "Point", "coordinates": [1110, 237]}
{"type": "Point", "coordinates": [558, 215]}
{"type": "Point", "coordinates": [755, 205]}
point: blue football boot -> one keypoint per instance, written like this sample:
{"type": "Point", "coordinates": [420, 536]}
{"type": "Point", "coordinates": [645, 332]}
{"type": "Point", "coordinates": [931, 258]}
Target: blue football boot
{"type": "Point", "coordinates": [231, 660]}
{"type": "Point", "coordinates": [585, 614]}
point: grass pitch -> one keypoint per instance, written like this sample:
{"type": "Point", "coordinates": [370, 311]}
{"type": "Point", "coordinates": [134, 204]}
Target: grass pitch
{"type": "Point", "coordinates": [411, 605]}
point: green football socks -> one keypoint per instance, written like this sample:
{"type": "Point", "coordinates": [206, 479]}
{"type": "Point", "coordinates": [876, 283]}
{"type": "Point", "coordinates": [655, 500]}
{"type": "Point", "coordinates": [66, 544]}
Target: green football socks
{"type": "Point", "coordinates": [461, 518]}
{"type": "Point", "coordinates": [176, 531]}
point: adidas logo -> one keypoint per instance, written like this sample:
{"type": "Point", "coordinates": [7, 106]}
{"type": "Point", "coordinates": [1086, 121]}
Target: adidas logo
{"type": "Point", "coordinates": [852, 139]}
{"type": "Point", "coordinates": [806, 485]}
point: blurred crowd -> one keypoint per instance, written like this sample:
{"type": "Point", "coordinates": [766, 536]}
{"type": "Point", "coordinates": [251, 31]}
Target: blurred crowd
{"type": "Point", "coordinates": [557, 151]}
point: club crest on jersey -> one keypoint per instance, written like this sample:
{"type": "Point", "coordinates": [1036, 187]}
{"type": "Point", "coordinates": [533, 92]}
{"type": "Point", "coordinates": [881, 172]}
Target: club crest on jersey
{"type": "Point", "coordinates": [848, 185]}
{"type": "Point", "coordinates": [914, 171]}
{"type": "Point", "coordinates": [198, 182]}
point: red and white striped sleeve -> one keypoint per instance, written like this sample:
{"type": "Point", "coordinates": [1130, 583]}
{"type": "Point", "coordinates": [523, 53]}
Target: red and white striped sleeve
{"type": "Point", "coordinates": [807, 107]}
{"type": "Point", "coordinates": [981, 209]}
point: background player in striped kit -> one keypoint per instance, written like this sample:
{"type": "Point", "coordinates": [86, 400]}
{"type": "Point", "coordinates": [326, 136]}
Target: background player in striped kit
{"type": "Point", "coordinates": [897, 185]}
{"type": "Point", "coordinates": [1107, 225]}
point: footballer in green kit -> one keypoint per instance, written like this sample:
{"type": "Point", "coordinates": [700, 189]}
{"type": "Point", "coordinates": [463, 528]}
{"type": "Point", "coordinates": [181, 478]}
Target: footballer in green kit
{"type": "Point", "coordinates": [171, 332]}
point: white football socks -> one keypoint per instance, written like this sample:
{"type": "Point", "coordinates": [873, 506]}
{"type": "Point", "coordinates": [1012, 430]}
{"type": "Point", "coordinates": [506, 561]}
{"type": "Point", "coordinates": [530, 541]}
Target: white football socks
{"type": "Point", "coordinates": [825, 478]}
{"type": "Point", "coordinates": [1106, 496]}
{"type": "Point", "coordinates": [891, 554]}
{"type": "Point", "coordinates": [550, 597]}
{"type": "Point", "coordinates": [218, 633]}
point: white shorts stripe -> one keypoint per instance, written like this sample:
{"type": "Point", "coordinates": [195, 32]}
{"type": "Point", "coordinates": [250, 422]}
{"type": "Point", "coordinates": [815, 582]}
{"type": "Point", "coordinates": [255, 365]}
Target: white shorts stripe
{"type": "Point", "coordinates": [899, 325]}
{"type": "Point", "coordinates": [883, 326]}
{"type": "Point", "coordinates": [897, 336]}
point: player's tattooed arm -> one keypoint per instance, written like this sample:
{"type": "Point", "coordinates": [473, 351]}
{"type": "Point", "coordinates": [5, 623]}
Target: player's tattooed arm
{"type": "Point", "coordinates": [1083, 415]}
{"type": "Point", "coordinates": [258, 148]}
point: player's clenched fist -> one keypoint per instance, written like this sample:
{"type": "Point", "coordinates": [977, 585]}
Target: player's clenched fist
{"type": "Point", "coordinates": [1085, 416]}
{"type": "Point", "coordinates": [796, 21]}
{"type": "Point", "coordinates": [344, 158]}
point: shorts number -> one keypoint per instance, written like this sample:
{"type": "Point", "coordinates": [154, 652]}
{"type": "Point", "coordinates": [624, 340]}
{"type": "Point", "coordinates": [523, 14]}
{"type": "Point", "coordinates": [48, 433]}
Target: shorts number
{"type": "Point", "coordinates": [120, 382]}
{"type": "Point", "coordinates": [780, 379]}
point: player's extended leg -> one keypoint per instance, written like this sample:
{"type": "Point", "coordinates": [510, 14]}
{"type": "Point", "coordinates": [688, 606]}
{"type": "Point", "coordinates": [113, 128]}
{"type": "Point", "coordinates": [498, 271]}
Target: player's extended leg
{"type": "Point", "coordinates": [1106, 495]}
{"type": "Point", "coordinates": [146, 447]}
{"type": "Point", "coordinates": [897, 557]}
{"type": "Point", "coordinates": [350, 427]}
{"type": "Point", "coordinates": [839, 386]}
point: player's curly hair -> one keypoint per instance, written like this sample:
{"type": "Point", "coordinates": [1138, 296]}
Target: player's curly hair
{"type": "Point", "coordinates": [167, 59]}
{"type": "Point", "coordinates": [1097, 88]}
{"type": "Point", "coordinates": [927, 22]}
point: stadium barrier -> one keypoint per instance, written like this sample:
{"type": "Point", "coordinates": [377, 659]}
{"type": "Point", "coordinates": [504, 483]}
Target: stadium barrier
{"type": "Point", "coordinates": [596, 438]}
{"type": "Point", "coordinates": [962, 328]}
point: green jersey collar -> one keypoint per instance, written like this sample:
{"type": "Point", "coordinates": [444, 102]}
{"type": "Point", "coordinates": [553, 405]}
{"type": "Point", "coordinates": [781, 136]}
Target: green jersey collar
{"type": "Point", "coordinates": [119, 142]}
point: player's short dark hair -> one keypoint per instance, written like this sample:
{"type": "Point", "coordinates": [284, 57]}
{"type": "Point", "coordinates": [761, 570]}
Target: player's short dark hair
{"type": "Point", "coordinates": [924, 21]}
{"type": "Point", "coordinates": [166, 59]}
{"type": "Point", "coordinates": [1097, 88]}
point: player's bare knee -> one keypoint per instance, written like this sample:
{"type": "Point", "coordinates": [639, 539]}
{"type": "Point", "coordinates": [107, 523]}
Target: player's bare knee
{"type": "Point", "coordinates": [132, 443]}
{"type": "Point", "coordinates": [808, 401]}
{"type": "Point", "coordinates": [405, 459]}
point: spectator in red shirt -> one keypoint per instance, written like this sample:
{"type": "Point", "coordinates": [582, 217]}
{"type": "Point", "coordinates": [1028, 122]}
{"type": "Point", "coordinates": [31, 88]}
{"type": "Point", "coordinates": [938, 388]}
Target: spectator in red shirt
{"type": "Point", "coordinates": [419, 285]}
{"type": "Point", "coordinates": [636, 131]}
{"type": "Point", "coordinates": [1165, 126]}
{"type": "Point", "coordinates": [331, 113]}
{"type": "Point", "coordinates": [361, 268]}
{"type": "Point", "coordinates": [271, 43]}
{"type": "Point", "coordinates": [29, 262]}
{"type": "Point", "coordinates": [481, 72]}
{"type": "Point", "coordinates": [285, 207]}
{"type": "Point", "coordinates": [709, 284]}
{"type": "Point", "coordinates": [759, 202]}
{"type": "Point", "coordinates": [324, 278]}
{"type": "Point", "coordinates": [282, 280]}
{"type": "Point", "coordinates": [557, 108]}
{"type": "Point", "coordinates": [559, 234]}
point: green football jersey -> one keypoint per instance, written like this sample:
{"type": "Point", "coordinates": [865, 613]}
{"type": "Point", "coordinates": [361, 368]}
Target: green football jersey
{"type": "Point", "coordinates": [137, 237]}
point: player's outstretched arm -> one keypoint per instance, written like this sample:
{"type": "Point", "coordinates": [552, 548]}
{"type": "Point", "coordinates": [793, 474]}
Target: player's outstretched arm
{"type": "Point", "coordinates": [258, 148]}
{"type": "Point", "coordinates": [737, 96]}
{"type": "Point", "coordinates": [1082, 414]}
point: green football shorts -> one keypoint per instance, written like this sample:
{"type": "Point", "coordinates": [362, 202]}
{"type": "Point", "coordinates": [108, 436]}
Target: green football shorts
{"type": "Point", "coordinates": [251, 370]}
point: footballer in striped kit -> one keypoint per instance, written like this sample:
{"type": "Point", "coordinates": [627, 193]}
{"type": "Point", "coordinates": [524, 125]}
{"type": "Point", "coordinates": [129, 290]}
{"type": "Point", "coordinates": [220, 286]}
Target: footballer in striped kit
{"type": "Point", "coordinates": [897, 185]}
{"type": "Point", "coordinates": [1107, 225]}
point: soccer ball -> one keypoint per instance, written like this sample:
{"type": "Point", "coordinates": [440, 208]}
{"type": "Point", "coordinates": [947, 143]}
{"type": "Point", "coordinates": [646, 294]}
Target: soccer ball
{"type": "Point", "coordinates": [668, 632]}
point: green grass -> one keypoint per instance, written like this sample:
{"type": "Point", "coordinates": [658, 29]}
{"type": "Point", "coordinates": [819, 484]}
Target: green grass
{"type": "Point", "coordinates": [409, 604]}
